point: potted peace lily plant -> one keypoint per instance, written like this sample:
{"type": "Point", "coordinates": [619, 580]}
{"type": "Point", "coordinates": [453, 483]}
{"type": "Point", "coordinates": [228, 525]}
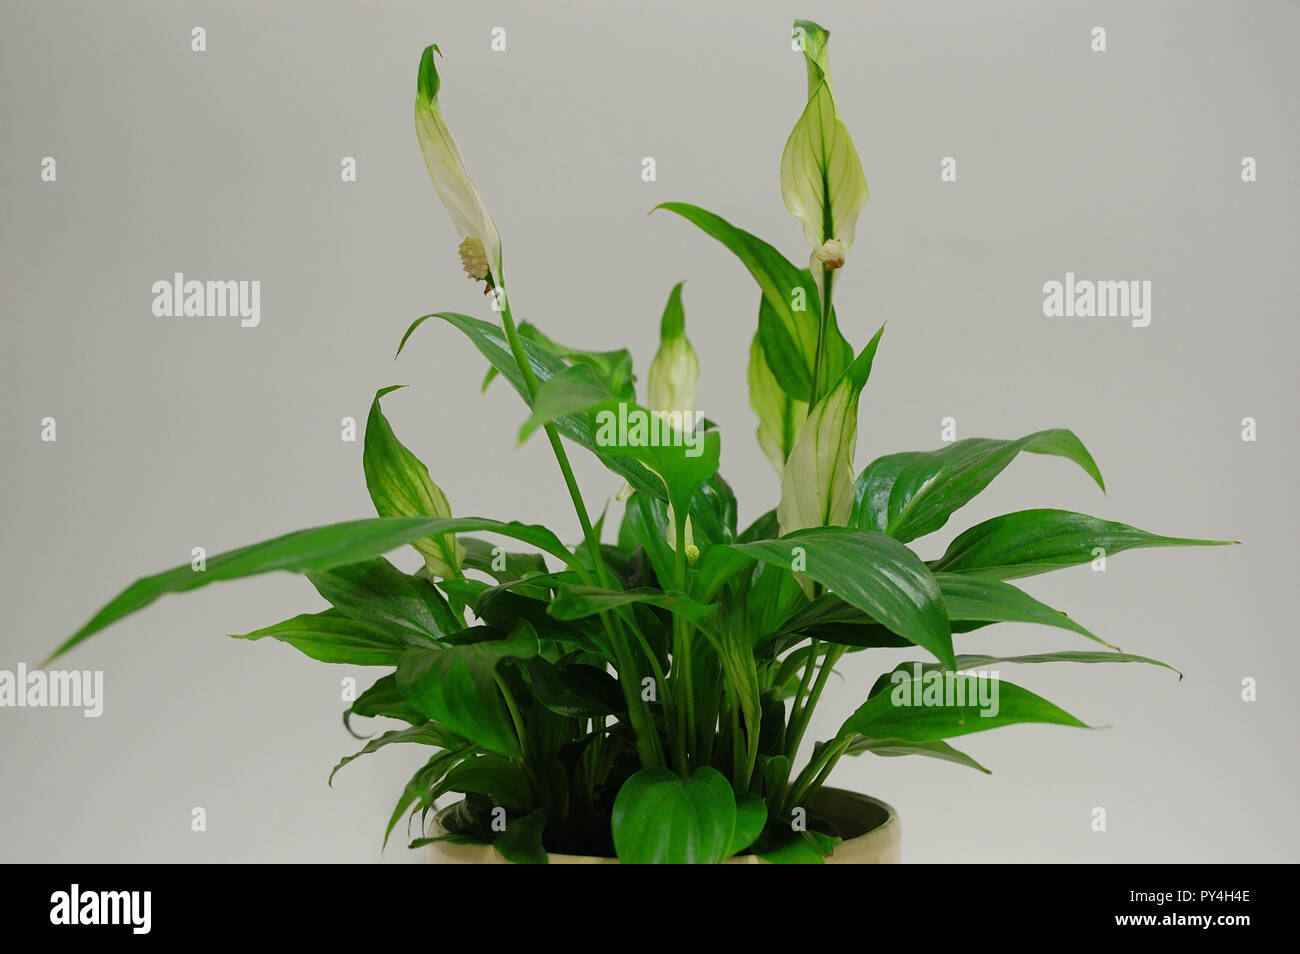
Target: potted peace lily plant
{"type": "Point", "coordinates": [643, 695]}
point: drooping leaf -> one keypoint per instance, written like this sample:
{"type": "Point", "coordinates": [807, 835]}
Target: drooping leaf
{"type": "Point", "coordinates": [966, 663]}
{"type": "Point", "coordinates": [400, 486]}
{"type": "Point", "coordinates": [937, 749]}
{"type": "Point", "coordinates": [331, 637]}
{"type": "Point", "coordinates": [383, 699]}
{"type": "Point", "coordinates": [660, 818]}
{"type": "Point", "coordinates": [495, 777]}
{"type": "Point", "coordinates": [911, 494]}
{"type": "Point", "coordinates": [304, 551]}
{"type": "Point", "coordinates": [426, 734]}
{"type": "Point", "coordinates": [1029, 542]}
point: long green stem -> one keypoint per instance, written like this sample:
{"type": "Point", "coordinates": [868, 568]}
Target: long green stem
{"type": "Point", "coordinates": [647, 739]}
{"type": "Point", "coordinates": [814, 391]}
{"type": "Point", "coordinates": [513, 707]}
{"type": "Point", "coordinates": [799, 722]}
{"type": "Point", "coordinates": [684, 683]}
{"type": "Point", "coordinates": [815, 772]}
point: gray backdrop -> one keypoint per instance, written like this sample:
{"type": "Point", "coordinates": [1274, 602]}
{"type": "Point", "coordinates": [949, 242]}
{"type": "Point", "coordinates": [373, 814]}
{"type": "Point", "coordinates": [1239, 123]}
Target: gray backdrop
{"type": "Point", "coordinates": [225, 164]}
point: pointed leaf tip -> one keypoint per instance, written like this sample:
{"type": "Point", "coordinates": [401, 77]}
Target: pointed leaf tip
{"type": "Point", "coordinates": [429, 82]}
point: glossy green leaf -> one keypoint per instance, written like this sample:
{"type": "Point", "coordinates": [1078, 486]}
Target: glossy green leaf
{"type": "Point", "coordinates": [376, 592]}
{"type": "Point", "coordinates": [1035, 541]}
{"type": "Point", "coordinates": [659, 818]}
{"type": "Point", "coordinates": [904, 712]}
{"type": "Point", "coordinates": [382, 699]}
{"type": "Point", "coordinates": [400, 486]}
{"type": "Point", "coordinates": [331, 637]}
{"type": "Point", "coordinates": [872, 572]}
{"type": "Point", "coordinates": [751, 816]}
{"type": "Point", "coordinates": [492, 344]}
{"type": "Point", "coordinates": [972, 599]}
{"type": "Point", "coordinates": [495, 777]}
{"type": "Point", "coordinates": [798, 848]}
{"type": "Point", "coordinates": [909, 495]}
{"type": "Point", "coordinates": [575, 690]}
{"type": "Point", "coordinates": [426, 734]}
{"type": "Point", "coordinates": [574, 390]}
{"type": "Point", "coordinates": [789, 325]}
{"type": "Point", "coordinates": [937, 749]}
{"type": "Point", "coordinates": [521, 842]}
{"type": "Point", "coordinates": [458, 688]}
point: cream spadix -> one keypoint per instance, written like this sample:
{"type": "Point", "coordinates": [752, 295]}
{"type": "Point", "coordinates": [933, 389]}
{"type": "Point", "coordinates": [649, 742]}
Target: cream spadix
{"type": "Point", "coordinates": [480, 247]}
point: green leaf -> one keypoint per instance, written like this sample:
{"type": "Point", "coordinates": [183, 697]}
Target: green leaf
{"type": "Point", "coordinates": [492, 344]}
{"type": "Point", "coordinates": [798, 848]}
{"type": "Point", "coordinates": [382, 699]}
{"type": "Point", "coordinates": [376, 592]}
{"type": "Point", "coordinates": [458, 688]}
{"type": "Point", "coordinates": [423, 787]}
{"type": "Point", "coordinates": [614, 368]}
{"type": "Point", "coordinates": [575, 690]}
{"type": "Point", "coordinates": [791, 310]}
{"type": "Point", "coordinates": [521, 842]}
{"type": "Point", "coordinates": [971, 599]}
{"type": "Point", "coordinates": [578, 602]}
{"type": "Point", "coordinates": [574, 390]}
{"type": "Point", "coordinates": [331, 637]}
{"type": "Point", "coordinates": [751, 816]}
{"type": "Point", "coordinates": [494, 777]}
{"type": "Point", "coordinates": [659, 818]}
{"type": "Point", "coordinates": [980, 662]}
{"type": "Point", "coordinates": [685, 460]}
{"type": "Point", "coordinates": [872, 572]}
{"type": "Point", "coordinates": [400, 486]}
{"type": "Point", "coordinates": [904, 712]}
{"type": "Point", "coordinates": [303, 551]}
{"type": "Point", "coordinates": [426, 734]}
{"type": "Point", "coordinates": [1029, 542]}
{"type": "Point", "coordinates": [896, 747]}
{"type": "Point", "coordinates": [911, 494]}
{"type": "Point", "coordinates": [779, 415]}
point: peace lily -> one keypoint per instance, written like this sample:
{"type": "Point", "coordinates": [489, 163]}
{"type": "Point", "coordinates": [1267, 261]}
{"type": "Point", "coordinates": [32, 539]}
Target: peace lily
{"type": "Point", "coordinates": [480, 247]}
{"type": "Point", "coordinates": [673, 380]}
{"type": "Point", "coordinates": [821, 175]}
{"type": "Point", "coordinates": [530, 690]}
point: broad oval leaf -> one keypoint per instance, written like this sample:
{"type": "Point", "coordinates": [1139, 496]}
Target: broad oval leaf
{"type": "Point", "coordinates": [660, 818]}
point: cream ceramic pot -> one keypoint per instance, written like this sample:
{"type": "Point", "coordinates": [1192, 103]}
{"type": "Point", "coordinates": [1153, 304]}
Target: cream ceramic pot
{"type": "Point", "coordinates": [873, 836]}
